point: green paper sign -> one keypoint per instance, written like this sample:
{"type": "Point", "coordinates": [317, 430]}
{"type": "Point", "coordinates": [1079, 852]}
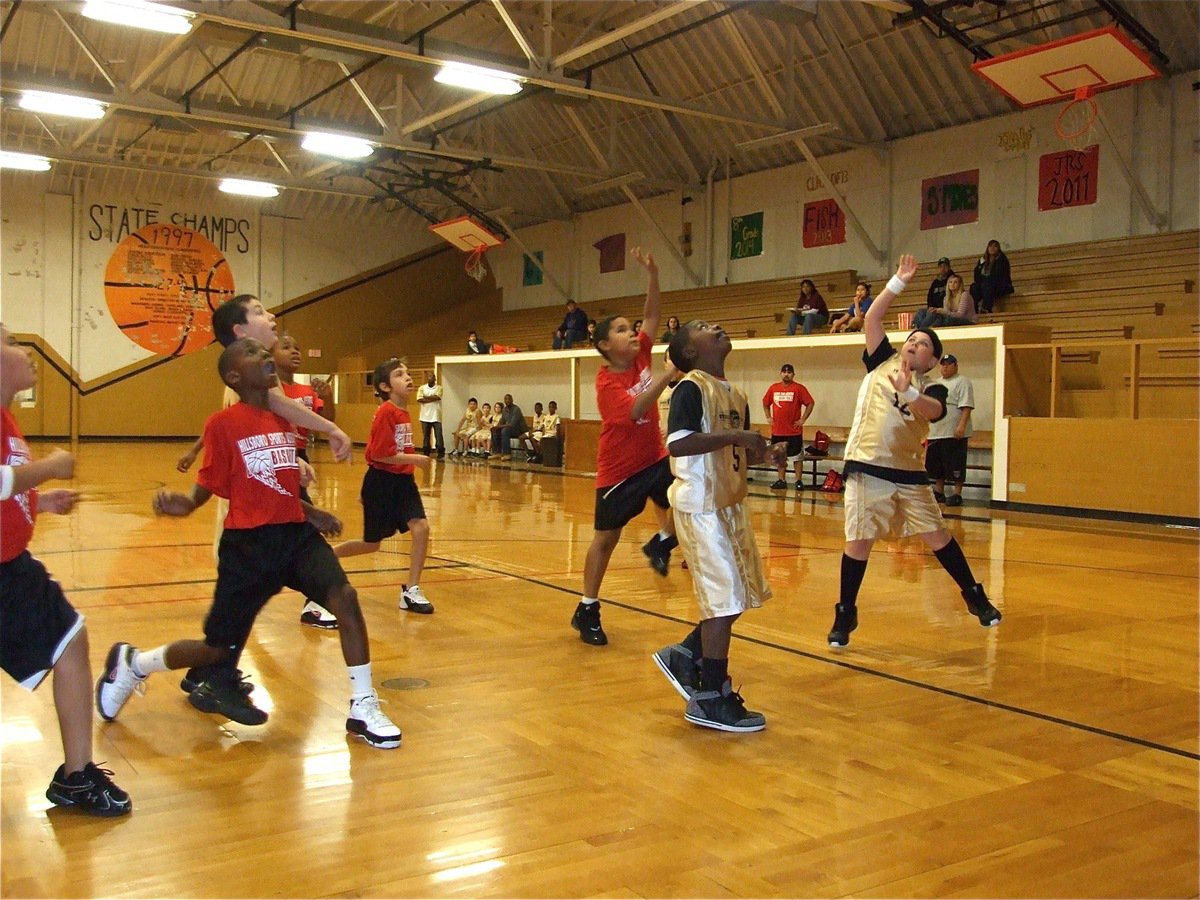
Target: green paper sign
{"type": "Point", "coordinates": [746, 236]}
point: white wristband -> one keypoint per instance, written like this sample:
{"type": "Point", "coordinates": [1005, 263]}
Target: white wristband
{"type": "Point", "coordinates": [896, 284]}
{"type": "Point", "coordinates": [6, 482]}
{"type": "Point", "coordinates": [909, 395]}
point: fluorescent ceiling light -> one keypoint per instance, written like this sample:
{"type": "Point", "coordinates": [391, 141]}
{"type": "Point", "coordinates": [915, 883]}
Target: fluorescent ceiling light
{"type": "Point", "coordinates": [477, 78]}
{"type": "Point", "coordinates": [61, 105]}
{"type": "Point", "coordinates": [10, 160]}
{"type": "Point", "coordinates": [336, 145]}
{"type": "Point", "coordinates": [248, 188]}
{"type": "Point", "coordinates": [140, 14]}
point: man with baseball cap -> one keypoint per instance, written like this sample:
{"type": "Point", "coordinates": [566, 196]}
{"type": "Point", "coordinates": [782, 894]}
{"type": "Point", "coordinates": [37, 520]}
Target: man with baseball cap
{"type": "Point", "coordinates": [787, 405]}
{"type": "Point", "coordinates": [946, 452]}
{"type": "Point", "coordinates": [936, 296]}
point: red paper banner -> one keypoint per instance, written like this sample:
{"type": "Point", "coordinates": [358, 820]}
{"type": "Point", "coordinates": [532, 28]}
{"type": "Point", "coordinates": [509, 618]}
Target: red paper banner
{"type": "Point", "coordinates": [824, 224]}
{"type": "Point", "coordinates": [1068, 178]}
{"type": "Point", "coordinates": [950, 200]}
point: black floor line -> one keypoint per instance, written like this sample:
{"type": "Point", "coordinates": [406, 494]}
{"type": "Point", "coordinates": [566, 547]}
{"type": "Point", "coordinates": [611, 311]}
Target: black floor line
{"type": "Point", "coordinates": [867, 670]}
{"type": "Point", "coordinates": [449, 564]}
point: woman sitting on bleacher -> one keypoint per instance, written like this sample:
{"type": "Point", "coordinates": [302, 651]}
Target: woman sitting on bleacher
{"type": "Point", "coordinates": [810, 309]}
{"type": "Point", "coordinates": [852, 318]}
{"type": "Point", "coordinates": [959, 308]}
{"type": "Point", "coordinates": [993, 278]}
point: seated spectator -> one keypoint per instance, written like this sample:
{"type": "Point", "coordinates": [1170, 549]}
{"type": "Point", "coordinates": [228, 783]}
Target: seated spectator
{"type": "Point", "coordinates": [497, 424]}
{"type": "Point", "coordinates": [573, 327]}
{"type": "Point", "coordinates": [959, 308]}
{"type": "Point", "coordinates": [476, 347]}
{"type": "Point", "coordinates": [993, 278]}
{"type": "Point", "coordinates": [852, 318]}
{"type": "Point", "coordinates": [937, 288]}
{"type": "Point", "coordinates": [672, 329]}
{"type": "Point", "coordinates": [512, 425]}
{"type": "Point", "coordinates": [467, 426]}
{"type": "Point", "coordinates": [810, 309]}
{"type": "Point", "coordinates": [544, 426]}
{"type": "Point", "coordinates": [479, 442]}
{"type": "Point", "coordinates": [591, 334]}
{"type": "Point", "coordinates": [637, 326]}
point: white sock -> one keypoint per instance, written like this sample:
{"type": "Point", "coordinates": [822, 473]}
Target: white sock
{"type": "Point", "coordinates": [663, 536]}
{"type": "Point", "coordinates": [147, 662]}
{"type": "Point", "coordinates": [360, 681]}
{"type": "Point", "coordinates": [588, 601]}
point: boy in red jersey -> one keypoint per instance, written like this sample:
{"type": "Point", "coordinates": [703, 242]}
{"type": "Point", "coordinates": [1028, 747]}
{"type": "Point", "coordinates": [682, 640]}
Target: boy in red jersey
{"type": "Point", "coordinates": [39, 629]}
{"type": "Point", "coordinates": [270, 541]}
{"type": "Point", "coordinates": [287, 362]}
{"type": "Point", "coordinates": [631, 461]}
{"type": "Point", "coordinates": [390, 499]}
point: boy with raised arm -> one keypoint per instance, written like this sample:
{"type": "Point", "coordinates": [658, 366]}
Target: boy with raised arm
{"type": "Point", "coordinates": [271, 541]}
{"type": "Point", "coordinates": [631, 461]}
{"type": "Point", "coordinates": [888, 495]}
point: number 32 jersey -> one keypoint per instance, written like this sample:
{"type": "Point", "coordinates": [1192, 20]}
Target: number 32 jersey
{"type": "Point", "coordinates": [704, 404]}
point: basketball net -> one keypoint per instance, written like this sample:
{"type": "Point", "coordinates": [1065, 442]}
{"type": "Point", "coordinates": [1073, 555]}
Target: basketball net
{"type": "Point", "coordinates": [475, 267]}
{"type": "Point", "coordinates": [1075, 120]}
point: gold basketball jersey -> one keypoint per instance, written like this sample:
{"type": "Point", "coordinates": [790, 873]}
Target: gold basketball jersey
{"type": "Point", "coordinates": [712, 481]}
{"type": "Point", "coordinates": [886, 431]}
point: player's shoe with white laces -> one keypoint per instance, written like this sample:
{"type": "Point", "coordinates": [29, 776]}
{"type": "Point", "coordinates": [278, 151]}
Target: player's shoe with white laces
{"type": "Point", "coordinates": [316, 616]}
{"type": "Point", "coordinates": [367, 721]}
{"type": "Point", "coordinates": [118, 681]}
{"type": "Point", "coordinates": [412, 599]}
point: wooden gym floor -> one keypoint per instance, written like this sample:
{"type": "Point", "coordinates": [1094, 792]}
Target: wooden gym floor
{"type": "Point", "coordinates": [1053, 756]}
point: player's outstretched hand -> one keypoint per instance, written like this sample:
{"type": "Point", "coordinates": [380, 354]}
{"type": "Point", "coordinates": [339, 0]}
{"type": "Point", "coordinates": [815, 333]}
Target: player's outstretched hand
{"type": "Point", "coordinates": [907, 268]}
{"type": "Point", "coordinates": [185, 462]}
{"type": "Point", "coordinates": [57, 501]}
{"type": "Point", "coordinates": [325, 522]}
{"type": "Point", "coordinates": [339, 443]}
{"type": "Point", "coordinates": [61, 462]}
{"type": "Point", "coordinates": [172, 503]}
{"type": "Point", "coordinates": [323, 388]}
{"type": "Point", "coordinates": [646, 259]}
{"type": "Point", "coordinates": [902, 379]}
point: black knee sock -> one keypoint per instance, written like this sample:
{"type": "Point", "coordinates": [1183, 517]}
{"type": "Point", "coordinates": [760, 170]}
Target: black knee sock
{"type": "Point", "coordinates": [853, 571]}
{"type": "Point", "coordinates": [693, 644]}
{"type": "Point", "coordinates": [713, 673]}
{"type": "Point", "coordinates": [952, 560]}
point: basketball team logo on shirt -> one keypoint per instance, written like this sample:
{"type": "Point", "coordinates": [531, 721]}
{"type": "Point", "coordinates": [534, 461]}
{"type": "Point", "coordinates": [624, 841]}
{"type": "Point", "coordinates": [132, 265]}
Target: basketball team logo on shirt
{"type": "Point", "coordinates": [643, 384]}
{"type": "Point", "coordinates": [265, 454]}
{"type": "Point", "coordinates": [18, 455]}
{"type": "Point", "coordinates": [403, 436]}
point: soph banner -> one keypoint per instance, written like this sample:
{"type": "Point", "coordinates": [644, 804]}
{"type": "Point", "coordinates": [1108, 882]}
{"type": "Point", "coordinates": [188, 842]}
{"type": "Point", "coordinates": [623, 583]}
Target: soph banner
{"type": "Point", "coordinates": [824, 224]}
{"type": "Point", "coordinates": [1068, 178]}
{"type": "Point", "coordinates": [950, 200]}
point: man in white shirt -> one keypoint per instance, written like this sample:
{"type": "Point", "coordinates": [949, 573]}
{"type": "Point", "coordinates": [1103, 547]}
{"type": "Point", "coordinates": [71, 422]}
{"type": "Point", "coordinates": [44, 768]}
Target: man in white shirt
{"type": "Point", "coordinates": [429, 395]}
{"type": "Point", "coordinates": [946, 452]}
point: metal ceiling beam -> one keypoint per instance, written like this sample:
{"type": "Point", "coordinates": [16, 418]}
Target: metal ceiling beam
{"type": "Point", "coordinates": [88, 50]}
{"type": "Point", "coordinates": [362, 95]}
{"type": "Point", "coordinates": [1137, 29]}
{"type": "Point", "coordinates": [933, 15]}
{"type": "Point", "coordinates": [241, 15]}
{"type": "Point", "coordinates": [618, 34]}
{"type": "Point", "coordinates": [515, 31]}
{"type": "Point", "coordinates": [167, 55]}
{"type": "Point", "coordinates": [246, 121]}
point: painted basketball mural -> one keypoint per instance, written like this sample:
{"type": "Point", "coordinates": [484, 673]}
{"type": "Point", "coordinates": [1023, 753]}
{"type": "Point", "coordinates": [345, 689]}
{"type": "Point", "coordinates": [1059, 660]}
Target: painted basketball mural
{"type": "Point", "coordinates": [162, 284]}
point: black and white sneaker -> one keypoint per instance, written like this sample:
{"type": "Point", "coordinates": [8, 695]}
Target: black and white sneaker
{"type": "Point", "coordinates": [412, 599]}
{"type": "Point", "coordinates": [193, 678]}
{"type": "Point", "coordinates": [845, 620]}
{"type": "Point", "coordinates": [91, 789]}
{"type": "Point", "coordinates": [223, 695]}
{"type": "Point", "coordinates": [316, 616]}
{"type": "Point", "coordinates": [658, 551]}
{"type": "Point", "coordinates": [367, 721]}
{"type": "Point", "coordinates": [677, 664]}
{"type": "Point", "coordinates": [587, 622]}
{"type": "Point", "coordinates": [118, 682]}
{"type": "Point", "coordinates": [981, 607]}
{"type": "Point", "coordinates": [723, 710]}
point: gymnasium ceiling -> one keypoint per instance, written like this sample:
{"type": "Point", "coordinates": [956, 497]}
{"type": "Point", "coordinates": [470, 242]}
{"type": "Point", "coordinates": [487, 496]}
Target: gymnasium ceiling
{"type": "Point", "coordinates": [617, 90]}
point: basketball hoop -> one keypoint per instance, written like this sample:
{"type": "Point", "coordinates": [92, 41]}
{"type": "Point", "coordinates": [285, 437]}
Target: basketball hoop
{"type": "Point", "coordinates": [470, 236]}
{"type": "Point", "coordinates": [475, 267]}
{"type": "Point", "coordinates": [1075, 120]}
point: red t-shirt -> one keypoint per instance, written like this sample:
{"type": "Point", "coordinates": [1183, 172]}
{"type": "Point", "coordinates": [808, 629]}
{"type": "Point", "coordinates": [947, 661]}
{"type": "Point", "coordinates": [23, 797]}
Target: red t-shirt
{"type": "Point", "coordinates": [18, 512]}
{"type": "Point", "coordinates": [626, 447]}
{"type": "Point", "coordinates": [391, 433]}
{"type": "Point", "coordinates": [785, 401]}
{"type": "Point", "coordinates": [307, 397]}
{"type": "Point", "coordinates": [250, 460]}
